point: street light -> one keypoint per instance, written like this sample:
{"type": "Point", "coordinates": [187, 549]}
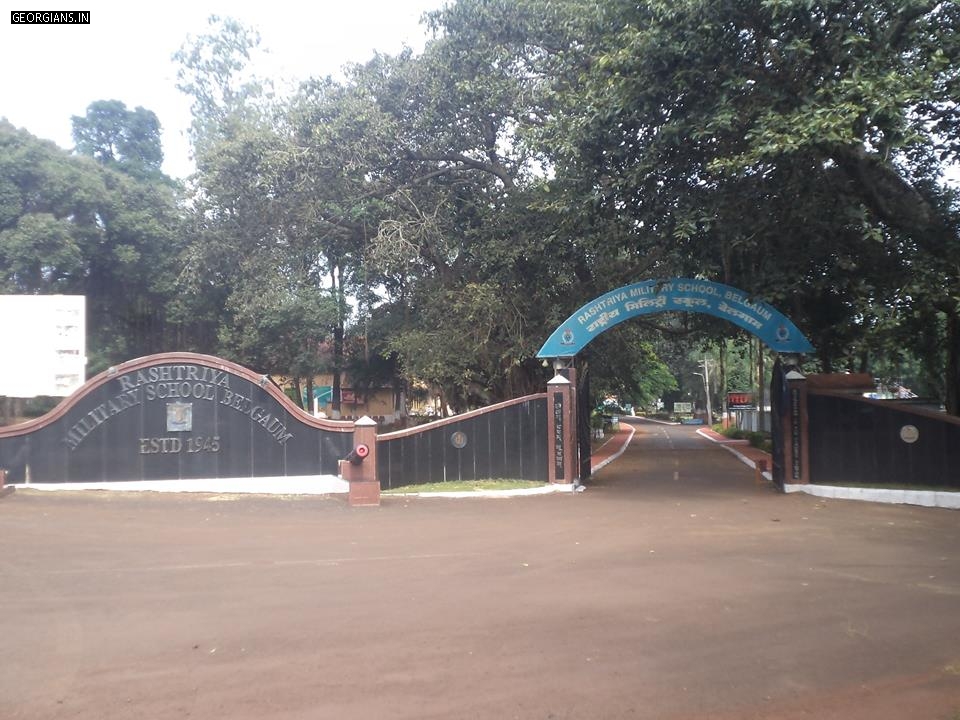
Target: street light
{"type": "Point", "coordinates": [706, 386]}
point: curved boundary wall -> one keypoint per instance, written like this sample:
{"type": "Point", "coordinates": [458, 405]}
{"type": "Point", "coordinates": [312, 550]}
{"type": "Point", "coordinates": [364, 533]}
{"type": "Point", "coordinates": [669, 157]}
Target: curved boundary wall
{"type": "Point", "coordinates": [173, 416]}
{"type": "Point", "coordinates": [503, 441]}
{"type": "Point", "coordinates": [881, 442]}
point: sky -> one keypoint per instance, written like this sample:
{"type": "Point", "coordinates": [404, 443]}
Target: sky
{"type": "Point", "coordinates": [50, 73]}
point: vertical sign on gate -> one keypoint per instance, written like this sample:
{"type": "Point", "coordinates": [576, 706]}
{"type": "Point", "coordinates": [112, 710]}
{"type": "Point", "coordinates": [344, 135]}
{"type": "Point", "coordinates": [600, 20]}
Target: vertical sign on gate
{"type": "Point", "coordinates": [561, 431]}
{"type": "Point", "coordinates": [558, 437]}
{"type": "Point", "coordinates": [796, 448]}
{"type": "Point", "coordinates": [795, 434]}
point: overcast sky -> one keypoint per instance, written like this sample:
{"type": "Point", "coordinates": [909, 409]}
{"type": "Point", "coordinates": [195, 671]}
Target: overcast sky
{"type": "Point", "coordinates": [50, 73]}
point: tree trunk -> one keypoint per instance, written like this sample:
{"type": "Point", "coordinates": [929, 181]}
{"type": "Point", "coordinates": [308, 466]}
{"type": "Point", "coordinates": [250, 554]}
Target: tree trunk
{"type": "Point", "coordinates": [337, 365]}
{"type": "Point", "coordinates": [297, 391]}
{"type": "Point", "coordinates": [336, 287]}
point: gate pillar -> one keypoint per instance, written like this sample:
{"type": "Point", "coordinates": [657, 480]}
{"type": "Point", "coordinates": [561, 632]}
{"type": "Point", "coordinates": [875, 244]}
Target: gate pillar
{"type": "Point", "coordinates": [359, 468]}
{"type": "Point", "coordinates": [562, 466]}
{"type": "Point", "coordinates": [795, 430]}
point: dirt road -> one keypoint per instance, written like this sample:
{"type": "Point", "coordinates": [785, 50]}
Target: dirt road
{"type": "Point", "coordinates": [672, 588]}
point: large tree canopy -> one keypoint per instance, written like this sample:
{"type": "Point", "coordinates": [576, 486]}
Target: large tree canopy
{"type": "Point", "coordinates": [80, 225]}
{"type": "Point", "coordinates": [450, 208]}
{"type": "Point", "coordinates": [789, 147]}
{"type": "Point", "coordinates": [540, 152]}
{"type": "Point", "coordinates": [121, 138]}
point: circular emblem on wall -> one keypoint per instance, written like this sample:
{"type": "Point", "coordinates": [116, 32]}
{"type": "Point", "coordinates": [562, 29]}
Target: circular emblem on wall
{"type": "Point", "coordinates": [459, 440]}
{"type": "Point", "coordinates": [909, 433]}
{"type": "Point", "coordinates": [567, 337]}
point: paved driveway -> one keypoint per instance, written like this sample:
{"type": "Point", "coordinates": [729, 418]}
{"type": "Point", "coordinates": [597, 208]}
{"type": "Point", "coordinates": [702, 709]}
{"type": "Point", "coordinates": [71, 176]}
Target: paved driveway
{"type": "Point", "coordinates": [672, 588]}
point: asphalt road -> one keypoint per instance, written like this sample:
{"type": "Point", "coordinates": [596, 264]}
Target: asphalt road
{"type": "Point", "coordinates": [674, 587]}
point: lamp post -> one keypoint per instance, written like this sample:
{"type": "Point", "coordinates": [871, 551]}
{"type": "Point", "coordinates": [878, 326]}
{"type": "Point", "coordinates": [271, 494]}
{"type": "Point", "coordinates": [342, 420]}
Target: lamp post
{"type": "Point", "coordinates": [706, 386]}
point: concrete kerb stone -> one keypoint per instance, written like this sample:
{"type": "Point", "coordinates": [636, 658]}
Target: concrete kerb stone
{"type": "Point", "coordinates": [893, 496]}
{"type": "Point", "coordinates": [631, 431]}
{"type": "Point", "coordinates": [730, 446]}
{"type": "Point", "coordinates": [289, 485]}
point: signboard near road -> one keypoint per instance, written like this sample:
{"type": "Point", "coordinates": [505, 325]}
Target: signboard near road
{"type": "Point", "coordinates": [741, 401]}
{"type": "Point", "coordinates": [683, 408]}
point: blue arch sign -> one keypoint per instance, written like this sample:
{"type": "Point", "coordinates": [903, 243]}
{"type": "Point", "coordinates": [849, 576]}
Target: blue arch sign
{"type": "Point", "coordinates": [656, 296]}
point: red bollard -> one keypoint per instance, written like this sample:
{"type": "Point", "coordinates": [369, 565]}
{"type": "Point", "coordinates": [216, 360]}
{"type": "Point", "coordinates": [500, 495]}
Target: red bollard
{"type": "Point", "coordinates": [359, 468]}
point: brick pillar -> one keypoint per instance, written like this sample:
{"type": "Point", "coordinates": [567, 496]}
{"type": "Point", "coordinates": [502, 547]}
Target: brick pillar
{"type": "Point", "coordinates": [570, 373]}
{"type": "Point", "coordinates": [364, 485]}
{"type": "Point", "coordinates": [796, 439]}
{"type": "Point", "coordinates": [562, 464]}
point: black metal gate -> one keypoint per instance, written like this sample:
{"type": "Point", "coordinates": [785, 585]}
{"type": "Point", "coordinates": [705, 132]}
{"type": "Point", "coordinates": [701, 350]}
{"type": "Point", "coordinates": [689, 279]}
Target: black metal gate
{"type": "Point", "coordinates": [584, 431]}
{"type": "Point", "coordinates": [855, 440]}
{"type": "Point", "coordinates": [779, 407]}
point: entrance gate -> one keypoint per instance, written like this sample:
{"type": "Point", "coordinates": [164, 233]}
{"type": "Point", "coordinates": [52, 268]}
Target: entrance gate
{"type": "Point", "coordinates": [689, 295]}
{"type": "Point", "coordinates": [180, 416]}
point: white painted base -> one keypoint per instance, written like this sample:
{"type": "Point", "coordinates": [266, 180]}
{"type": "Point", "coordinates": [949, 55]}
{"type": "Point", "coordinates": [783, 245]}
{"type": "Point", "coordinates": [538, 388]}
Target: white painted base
{"type": "Point", "coordinates": [925, 498]}
{"type": "Point", "coordinates": [299, 485]}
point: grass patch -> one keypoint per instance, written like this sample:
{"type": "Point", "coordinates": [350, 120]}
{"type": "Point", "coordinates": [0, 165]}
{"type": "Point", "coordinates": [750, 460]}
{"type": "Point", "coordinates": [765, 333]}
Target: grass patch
{"type": "Point", "coordinates": [464, 486]}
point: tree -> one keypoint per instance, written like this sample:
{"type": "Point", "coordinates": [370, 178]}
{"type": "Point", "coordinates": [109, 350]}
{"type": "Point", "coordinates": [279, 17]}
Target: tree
{"type": "Point", "coordinates": [791, 148]}
{"type": "Point", "coordinates": [540, 152]}
{"type": "Point", "coordinates": [72, 225]}
{"type": "Point", "coordinates": [274, 213]}
{"type": "Point", "coordinates": [131, 271]}
{"type": "Point", "coordinates": [48, 216]}
{"type": "Point", "coordinates": [214, 72]}
{"type": "Point", "coordinates": [128, 140]}
{"type": "Point", "coordinates": [464, 245]}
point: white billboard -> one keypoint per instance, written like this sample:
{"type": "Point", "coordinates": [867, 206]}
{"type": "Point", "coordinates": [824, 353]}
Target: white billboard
{"type": "Point", "coordinates": [43, 347]}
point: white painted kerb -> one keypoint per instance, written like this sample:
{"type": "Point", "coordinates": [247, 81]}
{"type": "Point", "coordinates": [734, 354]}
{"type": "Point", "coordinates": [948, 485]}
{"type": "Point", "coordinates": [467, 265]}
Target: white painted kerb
{"type": "Point", "coordinates": [297, 485]}
{"type": "Point", "coordinates": [924, 498]}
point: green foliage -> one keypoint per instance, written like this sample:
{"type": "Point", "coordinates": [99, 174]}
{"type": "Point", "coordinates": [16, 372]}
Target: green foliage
{"type": "Point", "coordinates": [128, 140]}
{"type": "Point", "coordinates": [789, 148]}
{"type": "Point", "coordinates": [759, 440]}
{"type": "Point", "coordinates": [627, 365]}
{"type": "Point", "coordinates": [213, 72]}
{"type": "Point", "coordinates": [448, 210]}
{"type": "Point", "coordinates": [73, 225]}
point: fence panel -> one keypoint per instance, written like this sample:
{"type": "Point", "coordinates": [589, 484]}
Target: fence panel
{"type": "Point", "coordinates": [505, 441]}
{"type": "Point", "coordinates": [875, 442]}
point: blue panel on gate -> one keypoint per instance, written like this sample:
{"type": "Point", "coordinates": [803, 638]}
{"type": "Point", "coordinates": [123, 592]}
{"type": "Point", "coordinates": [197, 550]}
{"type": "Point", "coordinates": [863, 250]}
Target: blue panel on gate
{"type": "Point", "coordinates": [678, 294]}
